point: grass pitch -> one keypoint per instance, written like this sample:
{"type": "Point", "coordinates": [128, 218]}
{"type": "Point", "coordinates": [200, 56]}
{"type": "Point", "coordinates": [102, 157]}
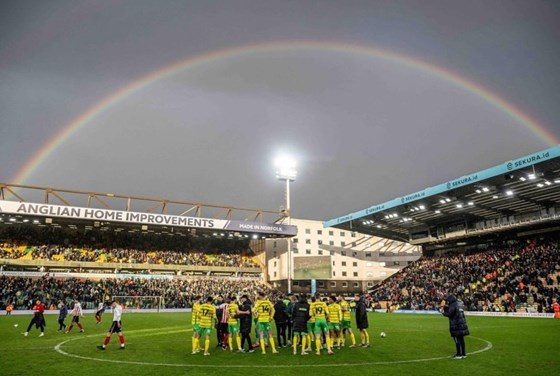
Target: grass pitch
{"type": "Point", "coordinates": [161, 344]}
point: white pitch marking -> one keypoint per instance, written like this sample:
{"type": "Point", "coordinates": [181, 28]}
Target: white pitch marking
{"type": "Point", "coordinates": [58, 349]}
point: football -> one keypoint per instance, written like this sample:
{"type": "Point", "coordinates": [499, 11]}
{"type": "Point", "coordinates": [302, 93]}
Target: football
{"type": "Point", "coordinates": [382, 334]}
{"type": "Point", "coordinates": [16, 325]}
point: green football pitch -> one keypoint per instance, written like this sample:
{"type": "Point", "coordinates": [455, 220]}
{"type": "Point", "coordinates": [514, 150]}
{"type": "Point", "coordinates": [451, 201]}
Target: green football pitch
{"type": "Point", "coordinates": [160, 344]}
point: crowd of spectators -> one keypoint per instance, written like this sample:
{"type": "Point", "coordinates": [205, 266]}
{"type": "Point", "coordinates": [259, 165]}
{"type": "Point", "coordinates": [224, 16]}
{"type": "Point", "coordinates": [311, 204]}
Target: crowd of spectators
{"type": "Point", "coordinates": [519, 275]}
{"type": "Point", "coordinates": [174, 293]}
{"type": "Point", "coordinates": [34, 243]}
{"type": "Point", "coordinates": [129, 255]}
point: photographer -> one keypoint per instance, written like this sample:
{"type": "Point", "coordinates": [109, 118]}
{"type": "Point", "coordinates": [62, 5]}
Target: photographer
{"type": "Point", "coordinates": [453, 309]}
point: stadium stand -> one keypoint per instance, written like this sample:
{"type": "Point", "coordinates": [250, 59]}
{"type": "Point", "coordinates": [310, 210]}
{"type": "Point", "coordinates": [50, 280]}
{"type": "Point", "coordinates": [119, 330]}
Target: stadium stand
{"type": "Point", "coordinates": [175, 293]}
{"type": "Point", "coordinates": [520, 276]}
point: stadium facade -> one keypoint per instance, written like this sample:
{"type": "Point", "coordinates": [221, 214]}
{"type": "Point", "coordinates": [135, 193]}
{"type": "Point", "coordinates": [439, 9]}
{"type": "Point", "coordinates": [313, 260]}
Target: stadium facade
{"type": "Point", "coordinates": [329, 260]}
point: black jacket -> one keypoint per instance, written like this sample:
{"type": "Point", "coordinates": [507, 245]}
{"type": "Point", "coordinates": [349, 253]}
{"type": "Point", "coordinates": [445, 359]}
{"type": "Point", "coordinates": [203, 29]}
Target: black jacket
{"type": "Point", "coordinates": [300, 315]}
{"type": "Point", "coordinates": [361, 314]}
{"type": "Point", "coordinates": [245, 320]}
{"type": "Point", "coordinates": [280, 315]}
{"type": "Point", "coordinates": [457, 322]}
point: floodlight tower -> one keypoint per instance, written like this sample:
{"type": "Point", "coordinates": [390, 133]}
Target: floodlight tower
{"type": "Point", "coordinates": [286, 171]}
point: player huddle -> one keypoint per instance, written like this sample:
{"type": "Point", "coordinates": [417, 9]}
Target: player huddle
{"type": "Point", "coordinates": [324, 321]}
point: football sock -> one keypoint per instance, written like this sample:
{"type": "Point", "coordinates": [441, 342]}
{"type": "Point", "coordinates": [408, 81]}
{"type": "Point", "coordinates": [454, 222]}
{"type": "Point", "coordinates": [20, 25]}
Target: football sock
{"type": "Point", "coordinates": [194, 344]}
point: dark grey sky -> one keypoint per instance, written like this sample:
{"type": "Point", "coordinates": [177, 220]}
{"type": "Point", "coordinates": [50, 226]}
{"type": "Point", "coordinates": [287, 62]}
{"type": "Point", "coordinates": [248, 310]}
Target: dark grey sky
{"type": "Point", "coordinates": [364, 129]}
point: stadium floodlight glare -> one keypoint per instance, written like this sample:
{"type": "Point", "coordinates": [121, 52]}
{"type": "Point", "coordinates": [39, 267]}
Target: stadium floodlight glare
{"type": "Point", "coordinates": [485, 189]}
{"type": "Point", "coordinates": [522, 178]}
{"type": "Point", "coordinates": [557, 181]}
{"type": "Point", "coordinates": [286, 171]}
{"type": "Point", "coordinates": [509, 192]}
{"type": "Point", "coordinates": [285, 168]}
{"type": "Point", "coordinates": [532, 176]}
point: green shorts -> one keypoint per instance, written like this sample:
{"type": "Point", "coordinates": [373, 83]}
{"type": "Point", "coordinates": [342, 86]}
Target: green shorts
{"type": "Point", "coordinates": [264, 327]}
{"type": "Point", "coordinates": [346, 324]}
{"type": "Point", "coordinates": [321, 326]}
{"type": "Point", "coordinates": [334, 326]}
{"type": "Point", "coordinates": [302, 333]}
{"type": "Point", "coordinates": [233, 328]}
{"type": "Point", "coordinates": [205, 331]}
{"type": "Point", "coordinates": [310, 327]}
{"type": "Point", "coordinates": [196, 329]}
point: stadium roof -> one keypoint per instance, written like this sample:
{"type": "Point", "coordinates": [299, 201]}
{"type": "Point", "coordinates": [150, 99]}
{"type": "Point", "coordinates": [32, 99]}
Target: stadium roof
{"type": "Point", "coordinates": [515, 193]}
{"type": "Point", "coordinates": [47, 206]}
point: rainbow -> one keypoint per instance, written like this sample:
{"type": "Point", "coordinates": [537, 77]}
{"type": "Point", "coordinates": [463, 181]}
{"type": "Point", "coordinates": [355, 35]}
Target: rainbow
{"type": "Point", "coordinates": [124, 92]}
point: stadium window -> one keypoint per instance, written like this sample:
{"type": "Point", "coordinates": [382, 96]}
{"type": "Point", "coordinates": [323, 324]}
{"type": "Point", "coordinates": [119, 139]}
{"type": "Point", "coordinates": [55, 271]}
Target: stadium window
{"type": "Point", "coordinates": [368, 254]}
{"type": "Point", "coordinates": [319, 242]}
{"type": "Point", "coordinates": [274, 253]}
{"type": "Point", "coordinates": [333, 284]}
{"type": "Point", "coordinates": [320, 252]}
{"type": "Point", "coordinates": [333, 263]}
{"type": "Point", "coordinates": [307, 241]}
{"type": "Point", "coordinates": [353, 244]}
{"type": "Point", "coordinates": [274, 244]}
{"type": "Point", "coordinates": [321, 283]}
{"type": "Point", "coordinates": [344, 284]}
{"type": "Point", "coordinates": [343, 263]}
{"type": "Point", "coordinates": [343, 253]}
{"type": "Point", "coordinates": [308, 231]}
{"type": "Point", "coordinates": [274, 274]}
{"type": "Point", "coordinates": [354, 254]}
{"type": "Point", "coordinates": [295, 240]}
{"type": "Point", "coordinates": [342, 233]}
{"type": "Point", "coordinates": [344, 274]}
{"type": "Point", "coordinates": [370, 284]}
{"type": "Point", "coordinates": [274, 263]}
{"type": "Point", "coordinates": [319, 232]}
{"type": "Point", "coordinates": [331, 233]}
{"type": "Point", "coordinates": [307, 251]}
{"type": "Point", "coordinates": [396, 263]}
{"type": "Point", "coordinates": [355, 274]}
{"type": "Point", "coordinates": [331, 242]}
{"type": "Point", "coordinates": [353, 234]}
{"type": "Point", "coordinates": [356, 284]}
{"type": "Point", "coordinates": [334, 273]}
{"type": "Point", "coordinates": [355, 264]}
{"type": "Point", "coordinates": [296, 283]}
{"type": "Point", "coordinates": [296, 250]}
{"type": "Point", "coordinates": [342, 244]}
{"type": "Point", "coordinates": [332, 253]}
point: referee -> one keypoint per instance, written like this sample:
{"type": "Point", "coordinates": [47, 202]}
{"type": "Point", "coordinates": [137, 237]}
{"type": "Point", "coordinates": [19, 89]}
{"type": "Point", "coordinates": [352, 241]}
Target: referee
{"type": "Point", "coordinates": [116, 327]}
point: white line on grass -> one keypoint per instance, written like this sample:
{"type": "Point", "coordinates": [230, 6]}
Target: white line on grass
{"type": "Point", "coordinates": [58, 349]}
